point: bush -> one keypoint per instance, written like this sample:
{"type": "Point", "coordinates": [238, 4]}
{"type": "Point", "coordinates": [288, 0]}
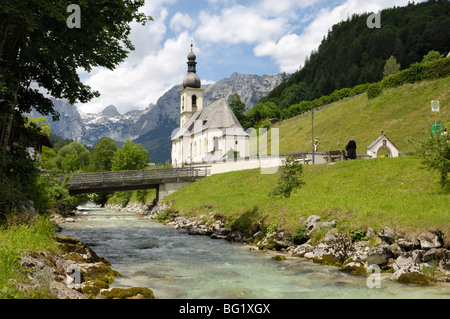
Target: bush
{"type": "Point", "coordinates": [300, 237]}
{"type": "Point", "coordinates": [417, 72]}
{"type": "Point", "coordinates": [358, 235]}
{"type": "Point", "coordinates": [374, 90]}
{"type": "Point", "coordinates": [289, 178]}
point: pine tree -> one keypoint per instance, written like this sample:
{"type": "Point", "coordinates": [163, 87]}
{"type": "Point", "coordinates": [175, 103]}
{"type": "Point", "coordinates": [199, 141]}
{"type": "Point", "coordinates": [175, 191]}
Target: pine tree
{"type": "Point", "coordinates": [391, 66]}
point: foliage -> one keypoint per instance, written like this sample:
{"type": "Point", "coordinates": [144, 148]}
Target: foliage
{"type": "Point", "coordinates": [435, 154]}
{"type": "Point", "coordinates": [391, 66]}
{"type": "Point", "coordinates": [358, 234]}
{"type": "Point", "coordinates": [374, 90]}
{"type": "Point", "coordinates": [353, 54]}
{"type": "Point", "coordinates": [16, 238]}
{"type": "Point", "coordinates": [289, 178]}
{"type": "Point", "coordinates": [299, 236]}
{"type": "Point", "coordinates": [37, 45]}
{"type": "Point", "coordinates": [238, 108]}
{"type": "Point", "coordinates": [18, 179]}
{"type": "Point", "coordinates": [261, 112]}
{"type": "Point", "coordinates": [130, 157]}
{"type": "Point", "coordinates": [71, 158]}
{"type": "Point", "coordinates": [432, 56]}
{"type": "Point", "coordinates": [103, 155]}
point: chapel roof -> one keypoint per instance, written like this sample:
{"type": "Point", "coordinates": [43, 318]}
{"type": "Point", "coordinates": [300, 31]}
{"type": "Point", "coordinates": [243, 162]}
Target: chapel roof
{"type": "Point", "coordinates": [217, 115]}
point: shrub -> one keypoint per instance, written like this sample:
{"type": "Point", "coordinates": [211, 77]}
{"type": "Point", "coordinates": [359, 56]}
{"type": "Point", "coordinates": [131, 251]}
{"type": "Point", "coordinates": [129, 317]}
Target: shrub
{"type": "Point", "coordinates": [300, 235]}
{"type": "Point", "coordinates": [289, 178]}
{"type": "Point", "coordinates": [358, 235]}
{"type": "Point", "coordinates": [374, 90]}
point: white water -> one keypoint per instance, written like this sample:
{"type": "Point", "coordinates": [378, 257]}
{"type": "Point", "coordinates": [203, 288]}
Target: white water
{"type": "Point", "coordinates": [176, 265]}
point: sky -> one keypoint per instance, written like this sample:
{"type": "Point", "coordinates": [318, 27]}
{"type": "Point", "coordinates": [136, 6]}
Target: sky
{"type": "Point", "coordinates": [246, 36]}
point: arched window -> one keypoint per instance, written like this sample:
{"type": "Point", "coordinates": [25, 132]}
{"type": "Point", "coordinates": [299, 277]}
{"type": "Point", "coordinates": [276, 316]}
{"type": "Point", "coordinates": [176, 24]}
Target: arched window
{"type": "Point", "coordinates": [194, 101]}
{"type": "Point", "coordinates": [182, 104]}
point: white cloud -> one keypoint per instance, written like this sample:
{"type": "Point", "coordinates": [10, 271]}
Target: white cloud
{"type": "Point", "coordinates": [284, 30]}
{"type": "Point", "coordinates": [290, 51]}
{"type": "Point", "coordinates": [181, 22]}
{"type": "Point", "coordinates": [238, 24]}
{"type": "Point", "coordinates": [136, 86]}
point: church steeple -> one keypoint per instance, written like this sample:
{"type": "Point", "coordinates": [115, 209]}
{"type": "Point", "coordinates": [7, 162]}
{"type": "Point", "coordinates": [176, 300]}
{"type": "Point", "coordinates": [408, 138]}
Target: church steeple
{"type": "Point", "coordinates": [192, 93]}
{"type": "Point", "coordinates": [191, 79]}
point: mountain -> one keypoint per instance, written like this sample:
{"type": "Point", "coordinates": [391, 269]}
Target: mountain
{"type": "Point", "coordinates": [153, 126]}
{"type": "Point", "coordinates": [110, 111]}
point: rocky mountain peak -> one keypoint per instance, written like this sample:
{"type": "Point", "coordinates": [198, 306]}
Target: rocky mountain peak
{"type": "Point", "coordinates": [110, 111]}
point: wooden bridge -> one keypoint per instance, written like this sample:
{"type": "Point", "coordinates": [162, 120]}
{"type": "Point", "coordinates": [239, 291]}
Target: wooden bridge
{"type": "Point", "coordinates": [165, 181]}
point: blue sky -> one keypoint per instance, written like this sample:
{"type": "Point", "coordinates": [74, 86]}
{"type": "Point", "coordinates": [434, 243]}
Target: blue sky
{"type": "Point", "coordinates": [251, 36]}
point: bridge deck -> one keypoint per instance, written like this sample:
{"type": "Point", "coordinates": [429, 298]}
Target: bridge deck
{"type": "Point", "coordinates": [130, 180]}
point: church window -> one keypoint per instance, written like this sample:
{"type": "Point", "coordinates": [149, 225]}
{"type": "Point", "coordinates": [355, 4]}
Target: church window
{"type": "Point", "coordinates": [216, 144]}
{"type": "Point", "coordinates": [182, 104]}
{"type": "Point", "coordinates": [194, 101]}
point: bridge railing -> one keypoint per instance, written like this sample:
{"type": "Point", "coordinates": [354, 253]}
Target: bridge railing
{"type": "Point", "coordinates": [135, 177]}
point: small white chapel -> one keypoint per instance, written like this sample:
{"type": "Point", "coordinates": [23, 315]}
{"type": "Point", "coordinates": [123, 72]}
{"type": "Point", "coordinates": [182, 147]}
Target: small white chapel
{"type": "Point", "coordinates": [207, 134]}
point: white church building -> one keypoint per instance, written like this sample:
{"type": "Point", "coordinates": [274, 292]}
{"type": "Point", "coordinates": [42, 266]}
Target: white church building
{"type": "Point", "coordinates": [207, 134]}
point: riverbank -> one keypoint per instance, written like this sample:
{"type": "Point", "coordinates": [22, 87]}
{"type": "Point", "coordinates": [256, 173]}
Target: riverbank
{"type": "Point", "coordinates": [395, 255]}
{"type": "Point", "coordinates": [35, 263]}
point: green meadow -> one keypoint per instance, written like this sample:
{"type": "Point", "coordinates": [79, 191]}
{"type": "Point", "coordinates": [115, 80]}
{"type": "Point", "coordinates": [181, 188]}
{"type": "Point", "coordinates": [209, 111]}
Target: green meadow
{"type": "Point", "coordinates": [394, 192]}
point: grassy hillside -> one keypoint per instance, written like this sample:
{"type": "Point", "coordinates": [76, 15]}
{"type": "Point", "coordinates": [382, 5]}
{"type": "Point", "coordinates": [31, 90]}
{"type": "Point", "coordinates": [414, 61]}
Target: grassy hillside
{"type": "Point", "coordinates": [379, 192]}
{"type": "Point", "coordinates": [403, 113]}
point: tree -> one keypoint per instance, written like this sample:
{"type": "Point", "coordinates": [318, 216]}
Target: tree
{"type": "Point", "coordinates": [431, 56]}
{"type": "Point", "coordinates": [130, 157]}
{"type": "Point", "coordinates": [72, 158]}
{"type": "Point", "coordinates": [103, 155]}
{"type": "Point", "coordinates": [38, 47]}
{"type": "Point", "coordinates": [391, 67]}
{"type": "Point", "coordinates": [434, 153]}
{"type": "Point", "coordinates": [261, 112]}
{"type": "Point", "coordinates": [289, 178]}
{"type": "Point", "coordinates": [238, 108]}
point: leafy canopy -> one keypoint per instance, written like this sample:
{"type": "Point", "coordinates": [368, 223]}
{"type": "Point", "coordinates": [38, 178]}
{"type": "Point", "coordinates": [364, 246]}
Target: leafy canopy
{"type": "Point", "coordinates": [130, 157]}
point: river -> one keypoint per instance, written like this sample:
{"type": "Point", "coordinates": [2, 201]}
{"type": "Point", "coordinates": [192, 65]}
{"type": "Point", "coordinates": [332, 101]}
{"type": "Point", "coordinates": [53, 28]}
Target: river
{"type": "Point", "coordinates": [176, 265]}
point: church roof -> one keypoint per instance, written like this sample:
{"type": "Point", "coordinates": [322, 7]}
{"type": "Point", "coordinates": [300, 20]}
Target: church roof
{"type": "Point", "coordinates": [382, 136]}
{"type": "Point", "coordinates": [217, 115]}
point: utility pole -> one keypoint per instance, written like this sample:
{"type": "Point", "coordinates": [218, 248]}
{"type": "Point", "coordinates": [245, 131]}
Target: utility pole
{"type": "Point", "coordinates": [312, 138]}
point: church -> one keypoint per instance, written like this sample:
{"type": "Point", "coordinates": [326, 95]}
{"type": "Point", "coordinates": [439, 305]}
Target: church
{"type": "Point", "coordinates": [207, 134]}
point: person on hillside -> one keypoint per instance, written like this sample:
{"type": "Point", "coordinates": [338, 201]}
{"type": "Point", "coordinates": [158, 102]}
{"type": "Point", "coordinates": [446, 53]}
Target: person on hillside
{"type": "Point", "coordinates": [351, 149]}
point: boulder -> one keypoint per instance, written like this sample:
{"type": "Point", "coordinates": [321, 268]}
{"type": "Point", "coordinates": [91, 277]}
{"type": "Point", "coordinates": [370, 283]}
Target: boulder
{"type": "Point", "coordinates": [354, 267]}
{"type": "Point", "coordinates": [434, 254]}
{"type": "Point", "coordinates": [387, 235]}
{"type": "Point", "coordinates": [412, 277]}
{"type": "Point", "coordinates": [430, 239]}
{"type": "Point", "coordinates": [334, 252]}
{"type": "Point", "coordinates": [311, 220]}
{"type": "Point", "coordinates": [358, 251]}
{"type": "Point", "coordinates": [379, 255]}
{"type": "Point", "coordinates": [406, 244]}
{"type": "Point", "coordinates": [331, 224]}
{"type": "Point", "coordinates": [312, 223]}
{"type": "Point", "coordinates": [301, 250]}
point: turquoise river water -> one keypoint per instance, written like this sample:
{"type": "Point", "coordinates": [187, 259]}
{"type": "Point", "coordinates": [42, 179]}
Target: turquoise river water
{"type": "Point", "coordinates": [176, 265]}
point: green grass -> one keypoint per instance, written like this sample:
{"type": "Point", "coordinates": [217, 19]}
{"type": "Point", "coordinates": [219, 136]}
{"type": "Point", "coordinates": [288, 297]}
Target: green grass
{"type": "Point", "coordinates": [14, 240]}
{"type": "Point", "coordinates": [394, 192]}
{"type": "Point", "coordinates": [404, 113]}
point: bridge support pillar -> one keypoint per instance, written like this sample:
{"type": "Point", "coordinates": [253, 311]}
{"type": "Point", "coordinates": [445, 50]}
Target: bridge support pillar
{"type": "Point", "coordinates": [166, 189]}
